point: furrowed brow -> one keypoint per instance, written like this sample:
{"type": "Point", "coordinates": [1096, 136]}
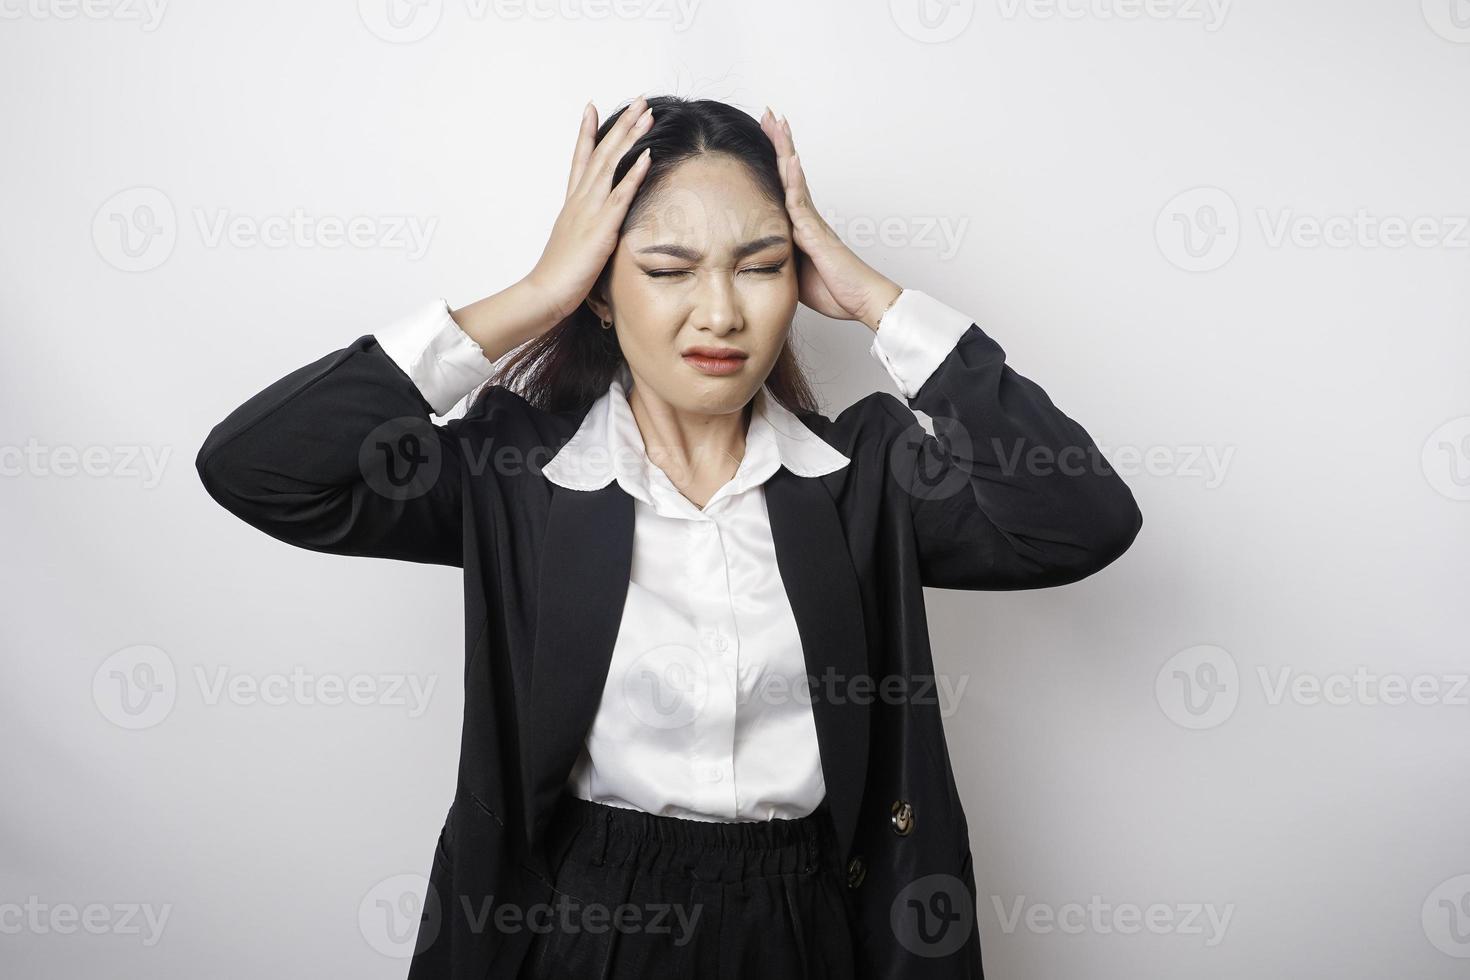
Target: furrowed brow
{"type": "Point", "coordinates": [694, 255]}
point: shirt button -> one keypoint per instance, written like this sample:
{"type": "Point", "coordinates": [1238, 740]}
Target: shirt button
{"type": "Point", "coordinates": [720, 641]}
{"type": "Point", "coordinates": [715, 775]}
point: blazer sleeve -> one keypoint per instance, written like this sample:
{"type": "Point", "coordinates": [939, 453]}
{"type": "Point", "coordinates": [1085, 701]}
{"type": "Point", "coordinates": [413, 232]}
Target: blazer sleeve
{"type": "Point", "coordinates": [340, 456]}
{"type": "Point", "coordinates": [1010, 493]}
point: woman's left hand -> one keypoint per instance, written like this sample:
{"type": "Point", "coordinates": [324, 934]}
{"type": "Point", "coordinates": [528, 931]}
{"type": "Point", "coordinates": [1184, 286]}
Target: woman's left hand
{"type": "Point", "coordinates": [833, 280]}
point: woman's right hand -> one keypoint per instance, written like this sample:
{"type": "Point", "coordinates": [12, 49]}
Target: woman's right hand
{"type": "Point", "coordinates": [586, 232]}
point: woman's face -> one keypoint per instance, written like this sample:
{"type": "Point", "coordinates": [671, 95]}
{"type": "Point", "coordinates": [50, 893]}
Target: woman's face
{"type": "Point", "coordinates": [708, 264]}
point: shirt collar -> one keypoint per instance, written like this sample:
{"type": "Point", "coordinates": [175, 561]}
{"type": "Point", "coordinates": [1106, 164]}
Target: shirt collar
{"type": "Point", "coordinates": [608, 445]}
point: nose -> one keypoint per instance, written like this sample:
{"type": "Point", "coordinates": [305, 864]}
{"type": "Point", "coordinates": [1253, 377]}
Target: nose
{"type": "Point", "coordinates": [716, 305]}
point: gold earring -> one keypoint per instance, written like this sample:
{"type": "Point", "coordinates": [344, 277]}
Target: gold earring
{"type": "Point", "coordinates": [606, 324]}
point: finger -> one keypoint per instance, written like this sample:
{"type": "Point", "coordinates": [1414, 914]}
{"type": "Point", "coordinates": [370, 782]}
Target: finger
{"type": "Point", "coordinates": [795, 176]}
{"type": "Point", "coordinates": [779, 132]}
{"type": "Point", "coordinates": [599, 150]}
{"type": "Point", "coordinates": [629, 137]}
{"type": "Point", "coordinates": [771, 126]}
{"type": "Point", "coordinates": [797, 188]}
{"type": "Point", "coordinates": [622, 195]}
{"type": "Point", "coordinates": [586, 141]}
{"type": "Point", "coordinates": [605, 158]}
{"type": "Point", "coordinates": [768, 119]}
{"type": "Point", "coordinates": [810, 227]}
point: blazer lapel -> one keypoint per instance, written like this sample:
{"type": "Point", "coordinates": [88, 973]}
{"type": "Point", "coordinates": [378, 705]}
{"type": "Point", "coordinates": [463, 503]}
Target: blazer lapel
{"type": "Point", "coordinates": [811, 552]}
{"type": "Point", "coordinates": [586, 561]}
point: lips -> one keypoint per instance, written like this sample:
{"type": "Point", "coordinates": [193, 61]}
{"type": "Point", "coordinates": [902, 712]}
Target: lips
{"type": "Point", "coordinates": [715, 360]}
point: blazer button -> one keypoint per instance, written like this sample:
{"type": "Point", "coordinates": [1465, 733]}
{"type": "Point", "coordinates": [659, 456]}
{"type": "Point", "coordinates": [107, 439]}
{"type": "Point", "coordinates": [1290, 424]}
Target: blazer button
{"type": "Point", "coordinates": [856, 872]}
{"type": "Point", "coordinates": [903, 818]}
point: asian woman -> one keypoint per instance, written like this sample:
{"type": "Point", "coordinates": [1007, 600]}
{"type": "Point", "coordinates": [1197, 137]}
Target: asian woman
{"type": "Point", "coordinates": [700, 734]}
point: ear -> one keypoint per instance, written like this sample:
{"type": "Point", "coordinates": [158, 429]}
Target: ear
{"type": "Point", "coordinates": [598, 305]}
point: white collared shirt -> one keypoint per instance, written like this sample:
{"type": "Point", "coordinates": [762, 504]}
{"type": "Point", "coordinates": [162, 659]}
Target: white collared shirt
{"type": "Point", "coordinates": [705, 713]}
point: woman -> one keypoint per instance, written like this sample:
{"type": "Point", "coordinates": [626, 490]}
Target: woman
{"type": "Point", "coordinates": [701, 735]}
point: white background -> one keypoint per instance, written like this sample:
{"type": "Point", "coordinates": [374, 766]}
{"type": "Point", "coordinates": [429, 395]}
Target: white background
{"type": "Point", "coordinates": [1328, 382]}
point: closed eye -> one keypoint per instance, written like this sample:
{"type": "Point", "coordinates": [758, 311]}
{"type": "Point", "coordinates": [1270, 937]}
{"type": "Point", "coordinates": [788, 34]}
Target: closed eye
{"type": "Point", "coordinates": [765, 270]}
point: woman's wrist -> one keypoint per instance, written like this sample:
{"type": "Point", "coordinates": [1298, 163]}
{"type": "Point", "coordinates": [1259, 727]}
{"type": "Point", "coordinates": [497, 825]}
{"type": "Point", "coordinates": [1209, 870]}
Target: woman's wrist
{"type": "Point", "coordinates": [884, 296]}
{"type": "Point", "coordinates": [511, 317]}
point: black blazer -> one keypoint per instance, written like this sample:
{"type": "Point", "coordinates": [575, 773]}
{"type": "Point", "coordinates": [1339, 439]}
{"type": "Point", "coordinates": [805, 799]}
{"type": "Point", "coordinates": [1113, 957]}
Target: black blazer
{"type": "Point", "coordinates": [340, 456]}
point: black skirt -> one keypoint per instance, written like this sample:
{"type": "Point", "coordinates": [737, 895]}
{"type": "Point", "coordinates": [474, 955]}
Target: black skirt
{"type": "Point", "coordinates": [643, 897]}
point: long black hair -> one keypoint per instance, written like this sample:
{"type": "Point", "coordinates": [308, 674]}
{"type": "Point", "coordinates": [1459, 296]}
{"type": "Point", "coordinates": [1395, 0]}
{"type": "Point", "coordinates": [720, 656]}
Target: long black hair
{"type": "Point", "coordinates": [569, 366]}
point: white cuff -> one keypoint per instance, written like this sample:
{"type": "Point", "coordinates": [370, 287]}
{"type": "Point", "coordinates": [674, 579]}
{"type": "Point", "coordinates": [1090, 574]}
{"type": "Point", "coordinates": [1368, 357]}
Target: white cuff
{"type": "Point", "coordinates": [436, 354]}
{"type": "Point", "coordinates": [915, 336]}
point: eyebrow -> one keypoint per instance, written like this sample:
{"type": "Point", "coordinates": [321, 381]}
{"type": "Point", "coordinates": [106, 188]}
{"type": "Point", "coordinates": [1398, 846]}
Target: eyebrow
{"type": "Point", "coordinates": [693, 255]}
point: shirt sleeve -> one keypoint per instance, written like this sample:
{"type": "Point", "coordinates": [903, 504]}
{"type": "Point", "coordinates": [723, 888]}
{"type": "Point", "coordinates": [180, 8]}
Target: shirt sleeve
{"type": "Point", "coordinates": [438, 356]}
{"type": "Point", "coordinates": [915, 336]}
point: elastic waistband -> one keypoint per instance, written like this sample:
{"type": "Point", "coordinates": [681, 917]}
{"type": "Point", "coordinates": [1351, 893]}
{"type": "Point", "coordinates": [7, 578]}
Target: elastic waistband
{"type": "Point", "coordinates": [597, 833]}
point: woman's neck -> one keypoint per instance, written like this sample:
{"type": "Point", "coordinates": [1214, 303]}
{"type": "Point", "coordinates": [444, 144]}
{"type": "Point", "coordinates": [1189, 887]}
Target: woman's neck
{"type": "Point", "coordinates": [698, 453]}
